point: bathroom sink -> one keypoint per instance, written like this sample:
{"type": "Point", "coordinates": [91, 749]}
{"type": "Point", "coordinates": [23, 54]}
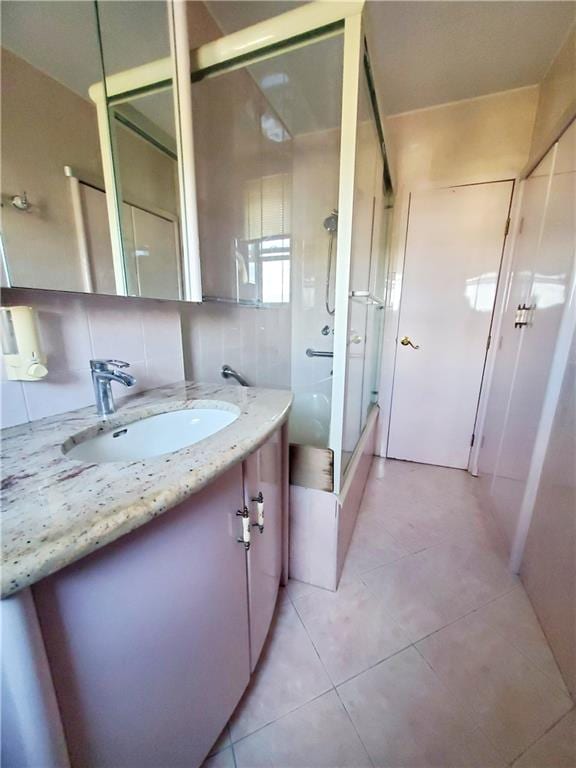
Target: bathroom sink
{"type": "Point", "coordinates": [153, 435]}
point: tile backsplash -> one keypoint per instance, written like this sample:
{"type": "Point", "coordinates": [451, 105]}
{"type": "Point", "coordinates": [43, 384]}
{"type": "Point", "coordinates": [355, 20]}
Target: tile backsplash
{"type": "Point", "coordinates": [75, 328]}
{"type": "Point", "coordinates": [256, 342]}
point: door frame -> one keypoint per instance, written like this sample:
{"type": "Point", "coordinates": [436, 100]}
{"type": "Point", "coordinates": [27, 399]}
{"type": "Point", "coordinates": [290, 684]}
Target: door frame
{"type": "Point", "coordinates": [502, 287]}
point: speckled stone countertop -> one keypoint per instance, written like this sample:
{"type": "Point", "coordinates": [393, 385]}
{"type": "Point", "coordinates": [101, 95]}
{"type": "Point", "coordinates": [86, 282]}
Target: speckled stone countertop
{"type": "Point", "coordinates": [56, 510]}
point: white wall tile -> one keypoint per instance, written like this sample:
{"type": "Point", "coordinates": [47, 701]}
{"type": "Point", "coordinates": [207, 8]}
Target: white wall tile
{"type": "Point", "coordinates": [256, 342]}
{"type": "Point", "coordinates": [116, 329]}
{"type": "Point", "coordinates": [162, 332]}
{"type": "Point", "coordinates": [12, 406]}
{"type": "Point", "coordinates": [75, 328]}
{"type": "Point", "coordinates": [160, 371]}
{"type": "Point", "coordinates": [60, 391]}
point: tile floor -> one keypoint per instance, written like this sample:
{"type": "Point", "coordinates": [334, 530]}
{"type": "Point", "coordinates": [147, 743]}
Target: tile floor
{"type": "Point", "coordinates": [428, 655]}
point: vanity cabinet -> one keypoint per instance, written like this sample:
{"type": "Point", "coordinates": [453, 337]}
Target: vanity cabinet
{"type": "Point", "coordinates": [148, 639]}
{"type": "Point", "coordinates": [263, 486]}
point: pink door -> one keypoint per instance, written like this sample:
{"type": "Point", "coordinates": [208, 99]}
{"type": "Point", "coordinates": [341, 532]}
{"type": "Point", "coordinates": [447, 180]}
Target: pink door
{"type": "Point", "coordinates": [148, 638]}
{"type": "Point", "coordinates": [263, 475]}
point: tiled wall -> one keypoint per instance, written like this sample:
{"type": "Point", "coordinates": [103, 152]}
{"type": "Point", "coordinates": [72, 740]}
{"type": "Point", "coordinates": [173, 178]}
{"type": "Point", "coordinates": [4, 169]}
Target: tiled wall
{"type": "Point", "coordinates": [256, 342]}
{"type": "Point", "coordinates": [75, 328]}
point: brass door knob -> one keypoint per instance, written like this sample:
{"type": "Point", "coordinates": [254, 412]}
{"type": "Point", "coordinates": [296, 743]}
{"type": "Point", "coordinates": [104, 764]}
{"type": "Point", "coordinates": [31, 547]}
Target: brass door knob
{"type": "Point", "coordinates": [407, 343]}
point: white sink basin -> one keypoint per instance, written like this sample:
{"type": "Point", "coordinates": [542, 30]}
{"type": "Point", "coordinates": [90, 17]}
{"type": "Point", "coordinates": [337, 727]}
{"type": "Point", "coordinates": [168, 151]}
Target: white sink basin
{"type": "Point", "coordinates": [153, 436]}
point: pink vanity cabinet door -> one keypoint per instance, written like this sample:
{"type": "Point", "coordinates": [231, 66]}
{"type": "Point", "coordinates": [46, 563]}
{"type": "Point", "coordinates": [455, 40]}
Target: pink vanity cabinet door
{"type": "Point", "coordinates": [148, 638]}
{"type": "Point", "coordinates": [263, 474]}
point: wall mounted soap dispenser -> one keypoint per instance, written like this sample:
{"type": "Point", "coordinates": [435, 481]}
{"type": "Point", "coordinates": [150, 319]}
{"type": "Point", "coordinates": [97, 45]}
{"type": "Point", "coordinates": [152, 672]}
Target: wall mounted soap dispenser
{"type": "Point", "coordinates": [23, 357]}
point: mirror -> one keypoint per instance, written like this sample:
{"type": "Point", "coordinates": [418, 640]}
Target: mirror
{"type": "Point", "coordinates": [50, 57]}
{"type": "Point", "coordinates": [90, 173]}
{"type": "Point", "coordinates": [141, 121]}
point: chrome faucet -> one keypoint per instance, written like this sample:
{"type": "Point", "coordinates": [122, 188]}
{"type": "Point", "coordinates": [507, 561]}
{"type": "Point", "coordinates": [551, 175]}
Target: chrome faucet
{"type": "Point", "coordinates": [228, 373]}
{"type": "Point", "coordinates": [104, 372]}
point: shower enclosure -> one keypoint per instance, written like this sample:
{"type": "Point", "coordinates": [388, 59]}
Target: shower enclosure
{"type": "Point", "coordinates": [286, 190]}
{"type": "Point", "coordinates": [292, 186]}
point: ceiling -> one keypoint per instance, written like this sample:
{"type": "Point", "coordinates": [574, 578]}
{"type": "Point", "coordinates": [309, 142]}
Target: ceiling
{"type": "Point", "coordinates": [429, 53]}
{"type": "Point", "coordinates": [423, 53]}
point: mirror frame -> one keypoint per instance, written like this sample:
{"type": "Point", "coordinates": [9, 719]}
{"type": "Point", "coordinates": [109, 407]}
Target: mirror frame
{"type": "Point", "coordinates": [172, 71]}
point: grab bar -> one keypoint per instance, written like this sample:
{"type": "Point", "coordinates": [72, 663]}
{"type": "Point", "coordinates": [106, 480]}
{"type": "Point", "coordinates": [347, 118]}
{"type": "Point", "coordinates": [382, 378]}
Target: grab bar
{"type": "Point", "coordinates": [228, 372]}
{"type": "Point", "coordinates": [368, 296]}
{"type": "Point", "coordinates": [316, 353]}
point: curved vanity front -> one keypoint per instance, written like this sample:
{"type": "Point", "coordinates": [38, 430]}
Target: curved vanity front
{"type": "Point", "coordinates": [152, 623]}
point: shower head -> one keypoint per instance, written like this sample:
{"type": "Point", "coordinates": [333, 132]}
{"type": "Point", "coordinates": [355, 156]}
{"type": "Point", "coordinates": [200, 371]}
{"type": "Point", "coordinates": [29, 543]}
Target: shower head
{"type": "Point", "coordinates": [331, 222]}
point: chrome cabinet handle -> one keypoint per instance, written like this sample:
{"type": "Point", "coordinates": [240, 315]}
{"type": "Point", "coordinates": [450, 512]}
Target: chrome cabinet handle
{"type": "Point", "coordinates": [407, 343]}
{"type": "Point", "coordinates": [245, 538]}
{"type": "Point", "coordinates": [259, 501]}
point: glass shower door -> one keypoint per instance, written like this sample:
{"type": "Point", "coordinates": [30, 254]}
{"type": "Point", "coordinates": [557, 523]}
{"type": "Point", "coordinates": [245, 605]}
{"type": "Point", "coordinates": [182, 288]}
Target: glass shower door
{"type": "Point", "coordinates": [367, 278]}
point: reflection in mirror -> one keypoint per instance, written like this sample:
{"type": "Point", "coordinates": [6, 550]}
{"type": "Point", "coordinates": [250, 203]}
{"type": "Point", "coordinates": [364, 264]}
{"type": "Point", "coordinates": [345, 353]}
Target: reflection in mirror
{"type": "Point", "coordinates": [143, 135]}
{"type": "Point", "coordinates": [50, 56]}
{"type": "Point", "coordinates": [251, 126]}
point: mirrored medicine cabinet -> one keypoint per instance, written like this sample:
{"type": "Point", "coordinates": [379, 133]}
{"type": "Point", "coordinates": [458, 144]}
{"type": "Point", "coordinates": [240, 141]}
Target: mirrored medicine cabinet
{"type": "Point", "coordinates": [93, 194]}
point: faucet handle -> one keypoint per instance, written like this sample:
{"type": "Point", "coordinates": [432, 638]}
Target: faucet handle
{"type": "Point", "coordinates": [107, 365]}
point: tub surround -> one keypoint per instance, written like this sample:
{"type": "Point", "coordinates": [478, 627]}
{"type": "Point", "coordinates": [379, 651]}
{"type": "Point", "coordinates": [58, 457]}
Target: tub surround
{"type": "Point", "coordinates": [57, 510]}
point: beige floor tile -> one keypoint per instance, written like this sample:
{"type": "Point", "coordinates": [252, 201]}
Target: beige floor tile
{"type": "Point", "coordinates": [295, 589]}
{"type": "Point", "coordinates": [415, 525]}
{"type": "Point", "coordinates": [511, 700]}
{"type": "Point", "coordinates": [418, 517]}
{"type": "Point", "coordinates": [435, 485]}
{"type": "Point", "coordinates": [288, 675]}
{"type": "Point", "coordinates": [403, 590]}
{"type": "Point", "coordinates": [350, 630]}
{"type": "Point", "coordinates": [426, 591]}
{"type": "Point", "coordinates": [556, 749]}
{"type": "Point", "coordinates": [318, 735]}
{"type": "Point", "coordinates": [224, 759]}
{"type": "Point", "coordinates": [475, 526]}
{"type": "Point", "coordinates": [513, 616]}
{"type": "Point", "coordinates": [371, 546]}
{"type": "Point", "coordinates": [406, 718]}
{"type": "Point", "coordinates": [464, 575]}
{"type": "Point", "coordinates": [443, 483]}
{"type": "Point", "coordinates": [384, 469]}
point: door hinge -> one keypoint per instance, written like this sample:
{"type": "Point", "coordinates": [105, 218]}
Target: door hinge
{"type": "Point", "coordinates": [524, 315]}
{"type": "Point", "coordinates": [472, 440]}
{"type": "Point", "coordinates": [507, 227]}
{"type": "Point", "coordinates": [488, 342]}
{"type": "Point", "coordinates": [244, 514]}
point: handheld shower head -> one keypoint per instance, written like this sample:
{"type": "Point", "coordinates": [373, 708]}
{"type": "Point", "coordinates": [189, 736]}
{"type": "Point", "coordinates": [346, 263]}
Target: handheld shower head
{"type": "Point", "coordinates": [331, 226]}
{"type": "Point", "coordinates": [331, 222]}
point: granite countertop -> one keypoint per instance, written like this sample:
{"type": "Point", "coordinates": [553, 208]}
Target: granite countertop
{"type": "Point", "coordinates": [56, 510]}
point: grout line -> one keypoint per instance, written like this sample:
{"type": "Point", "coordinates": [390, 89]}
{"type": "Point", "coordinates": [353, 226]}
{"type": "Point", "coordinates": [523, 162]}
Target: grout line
{"type": "Point", "coordinates": [562, 688]}
{"type": "Point", "coordinates": [376, 664]}
{"type": "Point", "coordinates": [90, 331]}
{"type": "Point", "coordinates": [467, 614]}
{"type": "Point", "coordinates": [355, 729]}
{"type": "Point", "coordinates": [333, 688]}
{"type": "Point", "coordinates": [26, 403]}
{"type": "Point", "coordinates": [546, 732]}
{"type": "Point", "coordinates": [328, 675]}
{"type": "Point", "coordinates": [233, 755]}
{"type": "Point", "coordinates": [470, 711]}
{"type": "Point", "coordinates": [281, 717]}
